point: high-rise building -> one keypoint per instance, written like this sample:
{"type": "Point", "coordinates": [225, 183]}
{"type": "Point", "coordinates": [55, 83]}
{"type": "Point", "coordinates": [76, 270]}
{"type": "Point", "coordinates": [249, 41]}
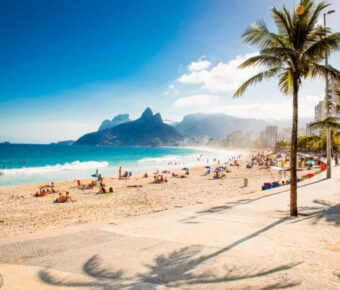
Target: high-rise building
{"type": "Point", "coordinates": [237, 139]}
{"type": "Point", "coordinates": [333, 101]}
{"type": "Point", "coordinates": [320, 111]}
{"type": "Point", "coordinates": [271, 136]}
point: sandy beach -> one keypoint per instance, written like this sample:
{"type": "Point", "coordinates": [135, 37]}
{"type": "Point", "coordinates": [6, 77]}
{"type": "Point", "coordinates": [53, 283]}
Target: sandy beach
{"type": "Point", "coordinates": [190, 233]}
{"type": "Point", "coordinates": [22, 213]}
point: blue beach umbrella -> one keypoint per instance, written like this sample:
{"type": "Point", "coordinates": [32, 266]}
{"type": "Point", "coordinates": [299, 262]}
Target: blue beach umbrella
{"type": "Point", "coordinates": [185, 168]}
{"type": "Point", "coordinates": [208, 167]}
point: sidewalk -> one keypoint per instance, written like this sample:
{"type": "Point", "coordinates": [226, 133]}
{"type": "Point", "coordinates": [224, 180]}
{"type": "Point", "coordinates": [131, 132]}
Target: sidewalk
{"type": "Point", "coordinates": [242, 242]}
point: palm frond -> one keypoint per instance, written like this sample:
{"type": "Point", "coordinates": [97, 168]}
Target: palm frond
{"type": "Point", "coordinates": [267, 60]}
{"type": "Point", "coordinates": [316, 14]}
{"type": "Point", "coordinates": [319, 70]}
{"type": "Point", "coordinates": [325, 45]}
{"type": "Point", "coordinates": [258, 33]}
{"type": "Point", "coordinates": [282, 21]}
{"type": "Point", "coordinates": [286, 82]}
{"type": "Point", "coordinates": [328, 123]}
{"type": "Point", "coordinates": [256, 79]}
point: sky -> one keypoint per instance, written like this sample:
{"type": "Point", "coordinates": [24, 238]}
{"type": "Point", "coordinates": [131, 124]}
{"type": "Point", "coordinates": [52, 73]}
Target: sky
{"type": "Point", "coordinates": [65, 66]}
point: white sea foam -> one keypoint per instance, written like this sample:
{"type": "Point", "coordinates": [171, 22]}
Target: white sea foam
{"type": "Point", "coordinates": [76, 165]}
{"type": "Point", "coordinates": [158, 160]}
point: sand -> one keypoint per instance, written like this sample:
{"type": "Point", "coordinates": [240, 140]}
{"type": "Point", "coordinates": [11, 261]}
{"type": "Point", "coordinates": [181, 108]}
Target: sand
{"type": "Point", "coordinates": [242, 241]}
{"type": "Point", "coordinates": [21, 213]}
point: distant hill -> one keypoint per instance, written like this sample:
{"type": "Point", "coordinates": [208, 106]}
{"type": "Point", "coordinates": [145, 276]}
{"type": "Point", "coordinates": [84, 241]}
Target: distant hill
{"type": "Point", "coordinates": [64, 143]}
{"type": "Point", "coordinates": [119, 119]}
{"type": "Point", "coordinates": [217, 125]}
{"type": "Point", "coordinates": [148, 130]}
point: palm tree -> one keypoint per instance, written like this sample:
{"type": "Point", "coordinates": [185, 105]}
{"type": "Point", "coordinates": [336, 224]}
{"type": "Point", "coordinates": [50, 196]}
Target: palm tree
{"type": "Point", "coordinates": [333, 125]}
{"type": "Point", "coordinates": [294, 53]}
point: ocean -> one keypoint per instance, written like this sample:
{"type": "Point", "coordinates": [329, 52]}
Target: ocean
{"type": "Point", "coordinates": [27, 164]}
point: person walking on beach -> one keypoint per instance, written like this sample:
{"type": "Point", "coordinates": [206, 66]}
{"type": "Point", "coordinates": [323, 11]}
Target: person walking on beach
{"type": "Point", "coordinates": [120, 172]}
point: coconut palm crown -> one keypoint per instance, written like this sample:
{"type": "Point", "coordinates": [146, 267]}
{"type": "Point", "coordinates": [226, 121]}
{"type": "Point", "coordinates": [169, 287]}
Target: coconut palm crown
{"type": "Point", "coordinates": [293, 53]}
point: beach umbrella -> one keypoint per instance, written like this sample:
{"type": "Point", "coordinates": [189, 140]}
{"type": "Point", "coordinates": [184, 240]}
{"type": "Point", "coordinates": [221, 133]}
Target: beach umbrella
{"type": "Point", "coordinates": [185, 168]}
{"type": "Point", "coordinates": [208, 167]}
{"type": "Point", "coordinates": [219, 169]}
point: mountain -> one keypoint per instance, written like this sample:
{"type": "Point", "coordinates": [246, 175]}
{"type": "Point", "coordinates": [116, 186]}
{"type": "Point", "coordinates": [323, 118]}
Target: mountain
{"type": "Point", "coordinates": [148, 130]}
{"type": "Point", "coordinates": [64, 143]}
{"type": "Point", "coordinates": [119, 119]}
{"type": "Point", "coordinates": [217, 125]}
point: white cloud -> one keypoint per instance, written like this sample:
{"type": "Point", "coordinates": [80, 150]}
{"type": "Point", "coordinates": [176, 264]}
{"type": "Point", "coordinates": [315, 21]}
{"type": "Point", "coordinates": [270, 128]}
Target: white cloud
{"type": "Point", "coordinates": [196, 100]}
{"type": "Point", "coordinates": [171, 86]}
{"type": "Point", "coordinates": [199, 65]}
{"type": "Point", "coordinates": [224, 77]}
{"type": "Point", "coordinates": [276, 111]}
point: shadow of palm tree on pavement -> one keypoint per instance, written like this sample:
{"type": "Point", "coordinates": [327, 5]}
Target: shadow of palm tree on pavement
{"type": "Point", "coordinates": [179, 268]}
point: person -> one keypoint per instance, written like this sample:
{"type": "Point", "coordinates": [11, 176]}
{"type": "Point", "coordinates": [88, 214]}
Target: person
{"type": "Point", "coordinates": [336, 159]}
{"type": "Point", "coordinates": [100, 177]}
{"type": "Point", "coordinates": [146, 175]}
{"type": "Point", "coordinates": [62, 198]}
{"type": "Point", "coordinates": [187, 172]}
{"type": "Point", "coordinates": [102, 189]}
{"type": "Point", "coordinates": [120, 172]}
{"type": "Point", "coordinates": [41, 194]}
{"type": "Point", "coordinates": [68, 197]}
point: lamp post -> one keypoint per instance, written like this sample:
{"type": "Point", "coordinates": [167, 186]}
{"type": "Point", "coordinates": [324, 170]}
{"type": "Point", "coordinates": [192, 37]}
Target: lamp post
{"type": "Point", "coordinates": [329, 141]}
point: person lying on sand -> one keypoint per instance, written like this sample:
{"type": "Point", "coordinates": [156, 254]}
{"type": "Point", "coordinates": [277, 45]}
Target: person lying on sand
{"type": "Point", "coordinates": [159, 179]}
{"type": "Point", "coordinates": [174, 174]}
{"type": "Point", "coordinates": [135, 186]}
{"type": "Point", "coordinates": [62, 198]}
{"type": "Point", "coordinates": [41, 194]}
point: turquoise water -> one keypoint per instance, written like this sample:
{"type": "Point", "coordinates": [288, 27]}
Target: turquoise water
{"type": "Point", "coordinates": [46, 163]}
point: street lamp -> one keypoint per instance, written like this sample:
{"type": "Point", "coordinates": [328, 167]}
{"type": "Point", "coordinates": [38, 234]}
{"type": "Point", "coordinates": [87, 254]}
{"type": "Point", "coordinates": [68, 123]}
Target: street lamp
{"type": "Point", "coordinates": [329, 148]}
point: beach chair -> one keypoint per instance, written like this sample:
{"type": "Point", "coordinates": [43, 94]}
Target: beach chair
{"type": "Point", "coordinates": [208, 172]}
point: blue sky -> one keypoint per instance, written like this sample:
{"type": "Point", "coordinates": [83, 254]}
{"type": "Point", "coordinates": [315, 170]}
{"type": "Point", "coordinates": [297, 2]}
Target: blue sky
{"type": "Point", "coordinates": [67, 65]}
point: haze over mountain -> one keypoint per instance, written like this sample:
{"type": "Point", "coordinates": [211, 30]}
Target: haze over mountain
{"type": "Point", "coordinates": [217, 125]}
{"type": "Point", "coordinates": [117, 120]}
{"type": "Point", "coordinates": [148, 130]}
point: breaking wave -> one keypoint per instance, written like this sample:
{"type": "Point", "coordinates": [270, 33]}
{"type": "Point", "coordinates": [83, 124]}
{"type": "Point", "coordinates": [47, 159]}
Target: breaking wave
{"type": "Point", "coordinates": [168, 158]}
{"type": "Point", "coordinates": [76, 165]}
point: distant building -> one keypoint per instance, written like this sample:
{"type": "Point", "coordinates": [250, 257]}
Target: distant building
{"type": "Point", "coordinates": [309, 130]}
{"type": "Point", "coordinates": [333, 101]}
{"type": "Point", "coordinates": [271, 136]}
{"type": "Point", "coordinates": [237, 139]}
{"type": "Point", "coordinates": [286, 134]}
{"type": "Point", "coordinates": [320, 111]}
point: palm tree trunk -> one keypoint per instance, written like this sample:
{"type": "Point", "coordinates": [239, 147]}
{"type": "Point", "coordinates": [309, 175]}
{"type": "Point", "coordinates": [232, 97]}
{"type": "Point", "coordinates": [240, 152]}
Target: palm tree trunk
{"type": "Point", "coordinates": [293, 152]}
{"type": "Point", "coordinates": [329, 154]}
